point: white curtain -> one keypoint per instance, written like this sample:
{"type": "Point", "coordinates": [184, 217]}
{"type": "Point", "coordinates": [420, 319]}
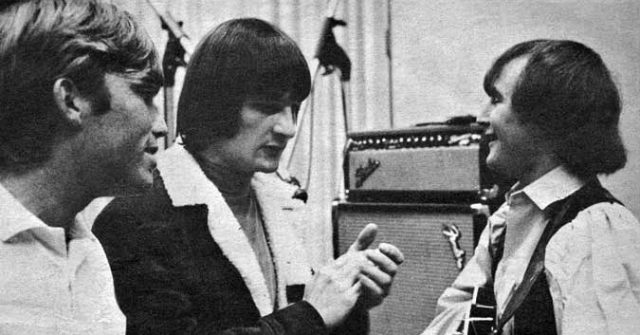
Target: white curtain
{"type": "Point", "coordinates": [364, 40]}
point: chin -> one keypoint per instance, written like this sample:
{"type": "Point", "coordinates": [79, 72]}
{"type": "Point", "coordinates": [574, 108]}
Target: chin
{"type": "Point", "coordinates": [133, 184]}
{"type": "Point", "coordinates": [143, 179]}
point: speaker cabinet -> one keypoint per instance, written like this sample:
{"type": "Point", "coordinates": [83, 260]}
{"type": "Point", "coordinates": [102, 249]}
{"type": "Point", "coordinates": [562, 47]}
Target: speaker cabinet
{"type": "Point", "coordinates": [429, 235]}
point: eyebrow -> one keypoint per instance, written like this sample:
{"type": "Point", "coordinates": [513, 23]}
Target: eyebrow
{"type": "Point", "coordinates": [153, 78]}
{"type": "Point", "coordinates": [146, 82]}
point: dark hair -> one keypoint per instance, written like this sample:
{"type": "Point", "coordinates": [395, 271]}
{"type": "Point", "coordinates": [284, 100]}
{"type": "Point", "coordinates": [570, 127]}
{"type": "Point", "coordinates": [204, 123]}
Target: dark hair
{"type": "Point", "coordinates": [566, 92]}
{"type": "Point", "coordinates": [239, 60]}
{"type": "Point", "coordinates": [42, 41]}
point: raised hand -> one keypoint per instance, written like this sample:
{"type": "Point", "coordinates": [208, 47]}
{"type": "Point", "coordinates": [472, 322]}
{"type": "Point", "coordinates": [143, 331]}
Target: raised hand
{"type": "Point", "coordinates": [361, 273]}
{"type": "Point", "coordinates": [377, 280]}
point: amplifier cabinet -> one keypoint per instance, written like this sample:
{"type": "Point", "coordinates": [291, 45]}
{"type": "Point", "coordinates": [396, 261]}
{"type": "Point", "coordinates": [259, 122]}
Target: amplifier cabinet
{"type": "Point", "coordinates": [429, 235]}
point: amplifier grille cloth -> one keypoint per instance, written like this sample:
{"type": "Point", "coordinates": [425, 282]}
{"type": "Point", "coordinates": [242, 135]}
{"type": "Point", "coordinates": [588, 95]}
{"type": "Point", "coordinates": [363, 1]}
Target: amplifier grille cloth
{"type": "Point", "coordinates": [429, 267]}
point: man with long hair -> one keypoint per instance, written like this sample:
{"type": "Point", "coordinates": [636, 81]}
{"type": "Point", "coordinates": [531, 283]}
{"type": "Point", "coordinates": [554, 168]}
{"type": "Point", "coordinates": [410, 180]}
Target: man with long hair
{"type": "Point", "coordinates": [216, 247]}
{"type": "Point", "coordinates": [561, 255]}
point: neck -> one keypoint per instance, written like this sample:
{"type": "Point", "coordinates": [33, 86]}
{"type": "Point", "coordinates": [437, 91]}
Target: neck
{"type": "Point", "coordinates": [544, 164]}
{"type": "Point", "coordinates": [230, 181]}
{"type": "Point", "coordinates": [51, 194]}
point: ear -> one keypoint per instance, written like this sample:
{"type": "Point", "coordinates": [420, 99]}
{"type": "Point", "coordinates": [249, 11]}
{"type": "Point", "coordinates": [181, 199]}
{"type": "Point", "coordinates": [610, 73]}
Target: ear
{"type": "Point", "coordinates": [70, 103]}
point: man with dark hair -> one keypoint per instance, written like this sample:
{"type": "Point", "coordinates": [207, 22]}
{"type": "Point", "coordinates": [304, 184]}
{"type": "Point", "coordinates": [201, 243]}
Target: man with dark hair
{"type": "Point", "coordinates": [217, 246]}
{"type": "Point", "coordinates": [77, 122]}
{"type": "Point", "coordinates": [562, 255]}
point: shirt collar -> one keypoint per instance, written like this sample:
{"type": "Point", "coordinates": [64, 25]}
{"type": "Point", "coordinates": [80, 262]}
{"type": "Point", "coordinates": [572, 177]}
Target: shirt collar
{"type": "Point", "coordinates": [555, 185]}
{"type": "Point", "coordinates": [16, 219]}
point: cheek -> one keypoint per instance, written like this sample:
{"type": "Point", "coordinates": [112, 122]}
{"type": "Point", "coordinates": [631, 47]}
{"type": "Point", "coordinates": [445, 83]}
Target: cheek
{"type": "Point", "coordinates": [139, 125]}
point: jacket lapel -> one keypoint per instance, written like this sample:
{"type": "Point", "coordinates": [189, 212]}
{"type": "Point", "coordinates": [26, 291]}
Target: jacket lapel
{"type": "Point", "coordinates": [282, 216]}
{"type": "Point", "coordinates": [187, 185]}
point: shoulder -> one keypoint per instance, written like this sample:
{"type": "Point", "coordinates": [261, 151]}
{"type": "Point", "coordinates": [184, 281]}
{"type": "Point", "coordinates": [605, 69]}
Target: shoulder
{"type": "Point", "coordinates": [602, 221]}
{"type": "Point", "coordinates": [593, 264]}
{"type": "Point", "coordinates": [130, 211]}
{"type": "Point", "coordinates": [143, 226]}
{"type": "Point", "coordinates": [600, 236]}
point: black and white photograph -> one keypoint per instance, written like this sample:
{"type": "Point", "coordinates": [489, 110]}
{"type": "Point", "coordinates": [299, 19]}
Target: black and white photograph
{"type": "Point", "coordinates": [320, 167]}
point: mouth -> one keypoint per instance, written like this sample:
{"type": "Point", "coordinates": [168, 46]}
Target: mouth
{"type": "Point", "coordinates": [274, 148]}
{"type": "Point", "coordinates": [490, 136]}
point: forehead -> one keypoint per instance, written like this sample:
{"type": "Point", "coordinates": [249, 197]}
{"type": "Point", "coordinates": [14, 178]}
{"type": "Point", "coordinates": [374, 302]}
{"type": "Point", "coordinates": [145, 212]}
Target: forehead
{"type": "Point", "coordinates": [510, 75]}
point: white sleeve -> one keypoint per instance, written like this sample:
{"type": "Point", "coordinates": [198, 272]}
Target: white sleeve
{"type": "Point", "coordinates": [593, 265]}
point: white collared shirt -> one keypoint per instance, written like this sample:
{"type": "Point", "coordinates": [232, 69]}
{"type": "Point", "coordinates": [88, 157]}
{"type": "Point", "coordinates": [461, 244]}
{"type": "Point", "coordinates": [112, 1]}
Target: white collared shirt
{"type": "Point", "coordinates": [525, 221]}
{"type": "Point", "coordinates": [592, 263]}
{"type": "Point", "coordinates": [49, 286]}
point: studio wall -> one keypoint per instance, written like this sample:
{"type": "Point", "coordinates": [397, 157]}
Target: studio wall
{"type": "Point", "coordinates": [441, 50]}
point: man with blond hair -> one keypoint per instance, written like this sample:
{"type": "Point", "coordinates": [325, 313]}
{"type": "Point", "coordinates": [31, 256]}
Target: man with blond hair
{"type": "Point", "coordinates": [77, 121]}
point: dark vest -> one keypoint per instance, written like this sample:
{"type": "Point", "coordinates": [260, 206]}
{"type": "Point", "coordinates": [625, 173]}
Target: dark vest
{"type": "Point", "coordinates": [535, 315]}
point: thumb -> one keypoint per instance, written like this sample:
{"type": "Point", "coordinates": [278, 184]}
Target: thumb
{"type": "Point", "coordinates": [366, 236]}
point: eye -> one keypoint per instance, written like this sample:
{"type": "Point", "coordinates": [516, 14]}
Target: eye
{"type": "Point", "coordinates": [266, 107]}
{"type": "Point", "coordinates": [146, 92]}
{"type": "Point", "coordinates": [495, 99]}
{"type": "Point", "coordinates": [271, 109]}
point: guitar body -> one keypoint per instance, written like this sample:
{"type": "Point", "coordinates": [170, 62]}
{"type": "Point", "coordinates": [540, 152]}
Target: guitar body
{"type": "Point", "coordinates": [480, 317]}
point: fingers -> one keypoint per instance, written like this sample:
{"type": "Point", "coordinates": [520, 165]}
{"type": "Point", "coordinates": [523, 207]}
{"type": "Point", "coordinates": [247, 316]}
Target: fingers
{"type": "Point", "coordinates": [373, 269]}
{"type": "Point", "coordinates": [392, 252]}
{"type": "Point", "coordinates": [351, 264]}
{"type": "Point", "coordinates": [381, 261]}
{"type": "Point", "coordinates": [372, 294]}
{"type": "Point", "coordinates": [378, 281]}
{"type": "Point", "coordinates": [356, 288]}
{"type": "Point", "coordinates": [371, 287]}
{"type": "Point", "coordinates": [366, 236]}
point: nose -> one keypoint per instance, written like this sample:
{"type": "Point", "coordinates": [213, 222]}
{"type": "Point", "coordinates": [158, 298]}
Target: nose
{"type": "Point", "coordinates": [485, 113]}
{"type": "Point", "coordinates": [285, 124]}
{"type": "Point", "coordinates": [159, 126]}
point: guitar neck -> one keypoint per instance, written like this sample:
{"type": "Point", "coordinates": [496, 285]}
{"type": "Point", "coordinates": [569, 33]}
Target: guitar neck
{"type": "Point", "coordinates": [480, 317]}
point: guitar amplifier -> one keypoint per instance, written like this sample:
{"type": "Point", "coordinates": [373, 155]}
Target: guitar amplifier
{"type": "Point", "coordinates": [436, 239]}
{"type": "Point", "coordinates": [435, 163]}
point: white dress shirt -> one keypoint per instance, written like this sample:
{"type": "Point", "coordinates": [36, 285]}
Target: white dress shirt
{"type": "Point", "coordinates": [592, 263]}
{"type": "Point", "coordinates": [49, 285]}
